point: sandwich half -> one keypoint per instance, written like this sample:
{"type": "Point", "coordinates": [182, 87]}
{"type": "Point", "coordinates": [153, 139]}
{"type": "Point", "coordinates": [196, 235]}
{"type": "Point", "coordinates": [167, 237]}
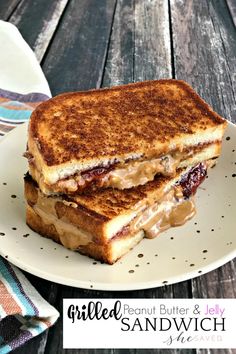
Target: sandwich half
{"type": "Point", "coordinates": [120, 137]}
{"type": "Point", "coordinates": [107, 223]}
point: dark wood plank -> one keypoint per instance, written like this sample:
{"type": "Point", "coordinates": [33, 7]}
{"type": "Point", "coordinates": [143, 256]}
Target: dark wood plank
{"type": "Point", "coordinates": [153, 351]}
{"type": "Point", "coordinates": [136, 53]}
{"type": "Point", "coordinates": [205, 56]}
{"type": "Point", "coordinates": [152, 51]}
{"type": "Point", "coordinates": [130, 351]}
{"type": "Point", "coordinates": [37, 22]}
{"type": "Point", "coordinates": [7, 8]}
{"type": "Point", "coordinates": [204, 51]}
{"type": "Point", "coordinates": [232, 8]}
{"type": "Point", "coordinates": [220, 283]}
{"type": "Point", "coordinates": [119, 64]}
{"type": "Point", "coordinates": [77, 55]}
{"type": "Point", "coordinates": [216, 351]}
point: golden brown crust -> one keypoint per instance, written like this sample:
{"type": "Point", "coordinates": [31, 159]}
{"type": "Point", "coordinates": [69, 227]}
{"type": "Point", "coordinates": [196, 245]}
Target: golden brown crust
{"type": "Point", "coordinates": [117, 121]}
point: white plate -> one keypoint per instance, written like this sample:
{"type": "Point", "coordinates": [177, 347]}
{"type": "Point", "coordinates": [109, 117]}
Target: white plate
{"type": "Point", "coordinates": [203, 244]}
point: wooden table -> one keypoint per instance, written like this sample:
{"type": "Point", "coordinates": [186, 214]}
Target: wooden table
{"type": "Point", "coordinates": [84, 44]}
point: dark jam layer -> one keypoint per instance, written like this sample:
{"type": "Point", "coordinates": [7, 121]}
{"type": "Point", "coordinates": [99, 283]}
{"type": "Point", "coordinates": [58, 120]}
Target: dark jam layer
{"type": "Point", "coordinates": [193, 179]}
{"type": "Point", "coordinates": [96, 173]}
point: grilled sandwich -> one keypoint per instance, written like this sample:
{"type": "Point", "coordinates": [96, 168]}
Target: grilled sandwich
{"type": "Point", "coordinates": [121, 137]}
{"type": "Point", "coordinates": [107, 223]}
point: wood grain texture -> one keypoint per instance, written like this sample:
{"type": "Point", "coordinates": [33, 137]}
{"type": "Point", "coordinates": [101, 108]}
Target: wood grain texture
{"type": "Point", "coordinates": [38, 30]}
{"type": "Point", "coordinates": [119, 63]}
{"type": "Point", "coordinates": [140, 47]}
{"type": "Point", "coordinates": [232, 8]}
{"type": "Point", "coordinates": [215, 351]}
{"type": "Point", "coordinates": [204, 55]}
{"type": "Point", "coordinates": [76, 58]}
{"type": "Point", "coordinates": [7, 7]}
{"type": "Point", "coordinates": [204, 51]}
{"type": "Point", "coordinates": [220, 283]}
{"type": "Point", "coordinates": [152, 51]}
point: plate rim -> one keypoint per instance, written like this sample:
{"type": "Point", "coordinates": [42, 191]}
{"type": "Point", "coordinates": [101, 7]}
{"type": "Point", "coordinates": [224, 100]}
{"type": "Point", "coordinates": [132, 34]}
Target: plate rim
{"type": "Point", "coordinates": [106, 286]}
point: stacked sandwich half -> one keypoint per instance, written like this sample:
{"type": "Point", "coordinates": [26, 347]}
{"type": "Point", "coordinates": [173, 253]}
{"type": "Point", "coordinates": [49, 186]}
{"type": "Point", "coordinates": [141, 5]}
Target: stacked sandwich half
{"type": "Point", "coordinates": [109, 167]}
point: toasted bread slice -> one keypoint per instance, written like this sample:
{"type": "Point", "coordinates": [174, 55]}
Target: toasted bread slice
{"type": "Point", "coordinates": [91, 139]}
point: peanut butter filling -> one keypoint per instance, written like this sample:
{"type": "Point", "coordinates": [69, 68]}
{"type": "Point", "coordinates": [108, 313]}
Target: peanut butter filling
{"type": "Point", "coordinates": [129, 175]}
{"type": "Point", "coordinates": [139, 173]}
{"type": "Point", "coordinates": [71, 236]}
{"type": "Point", "coordinates": [173, 210]}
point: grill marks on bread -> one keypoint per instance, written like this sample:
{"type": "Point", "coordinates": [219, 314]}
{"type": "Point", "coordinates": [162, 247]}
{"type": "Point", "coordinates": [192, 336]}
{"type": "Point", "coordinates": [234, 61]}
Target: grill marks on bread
{"type": "Point", "coordinates": [117, 121]}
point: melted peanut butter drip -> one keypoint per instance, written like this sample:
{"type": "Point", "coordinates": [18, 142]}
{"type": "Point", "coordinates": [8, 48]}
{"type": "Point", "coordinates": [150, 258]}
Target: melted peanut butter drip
{"type": "Point", "coordinates": [139, 173]}
{"type": "Point", "coordinates": [173, 210]}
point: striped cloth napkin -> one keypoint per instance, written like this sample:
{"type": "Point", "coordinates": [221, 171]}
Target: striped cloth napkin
{"type": "Point", "coordinates": [23, 312]}
{"type": "Point", "coordinates": [16, 108]}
